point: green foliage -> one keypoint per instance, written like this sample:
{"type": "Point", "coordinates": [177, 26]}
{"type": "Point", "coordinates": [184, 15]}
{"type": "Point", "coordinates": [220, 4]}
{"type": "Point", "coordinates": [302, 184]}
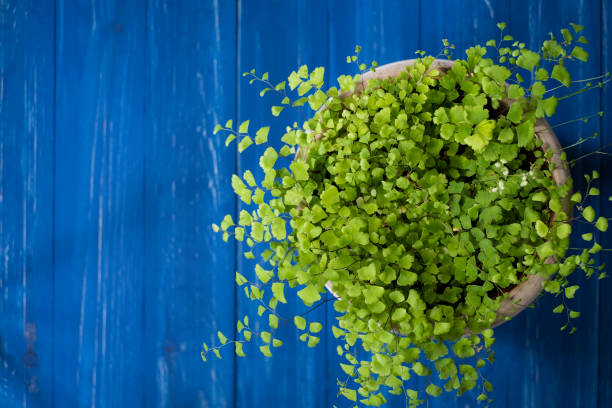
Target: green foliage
{"type": "Point", "coordinates": [422, 200]}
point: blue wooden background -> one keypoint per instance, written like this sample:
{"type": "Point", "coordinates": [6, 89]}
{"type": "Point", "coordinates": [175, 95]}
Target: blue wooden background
{"type": "Point", "coordinates": [110, 277]}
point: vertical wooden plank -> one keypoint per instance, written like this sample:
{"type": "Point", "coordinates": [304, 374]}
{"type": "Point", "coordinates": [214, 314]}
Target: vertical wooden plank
{"type": "Point", "coordinates": [26, 203]}
{"type": "Point", "coordinates": [533, 345]}
{"type": "Point", "coordinates": [557, 369]}
{"type": "Point", "coordinates": [189, 293]}
{"type": "Point", "coordinates": [387, 31]}
{"type": "Point", "coordinates": [99, 203]}
{"type": "Point", "coordinates": [463, 25]}
{"type": "Point", "coordinates": [278, 37]}
{"type": "Point", "coordinates": [466, 26]}
{"type": "Point", "coordinates": [605, 286]}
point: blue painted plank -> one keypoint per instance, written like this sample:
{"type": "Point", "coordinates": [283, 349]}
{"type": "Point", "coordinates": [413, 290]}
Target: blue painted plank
{"type": "Point", "coordinates": [559, 369]}
{"type": "Point", "coordinates": [140, 280]}
{"type": "Point", "coordinates": [99, 207]}
{"type": "Point", "coordinates": [278, 37]}
{"type": "Point", "coordinates": [189, 292]}
{"type": "Point", "coordinates": [387, 31]}
{"type": "Point", "coordinates": [465, 27]}
{"type": "Point", "coordinates": [605, 289]}
{"type": "Point", "coordinates": [26, 202]}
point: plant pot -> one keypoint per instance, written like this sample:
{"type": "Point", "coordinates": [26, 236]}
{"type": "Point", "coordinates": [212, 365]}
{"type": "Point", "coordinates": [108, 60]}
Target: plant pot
{"type": "Point", "coordinates": [523, 294]}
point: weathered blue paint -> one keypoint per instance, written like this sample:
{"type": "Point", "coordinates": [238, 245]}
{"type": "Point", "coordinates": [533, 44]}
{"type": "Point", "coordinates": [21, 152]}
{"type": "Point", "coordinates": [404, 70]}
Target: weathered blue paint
{"type": "Point", "coordinates": [26, 203]}
{"type": "Point", "coordinates": [110, 277]}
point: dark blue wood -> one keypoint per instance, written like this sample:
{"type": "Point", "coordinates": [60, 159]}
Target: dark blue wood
{"type": "Point", "coordinates": [26, 203]}
{"type": "Point", "coordinates": [604, 356]}
{"type": "Point", "coordinates": [110, 276]}
{"type": "Point", "coordinates": [540, 348]}
{"type": "Point", "coordinates": [270, 39]}
{"type": "Point", "coordinates": [188, 271]}
{"type": "Point", "coordinates": [387, 32]}
{"type": "Point", "coordinates": [99, 212]}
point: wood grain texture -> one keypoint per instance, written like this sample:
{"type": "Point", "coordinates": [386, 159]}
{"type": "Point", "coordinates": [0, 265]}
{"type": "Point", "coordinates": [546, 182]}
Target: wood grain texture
{"type": "Point", "coordinates": [110, 177]}
{"type": "Point", "coordinates": [464, 27]}
{"type": "Point", "coordinates": [270, 39]}
{"type": "Point", "coordinates": [604, 328]}
{"type": "Point", "coordinates": [387, 32]}
{"type": "Point", "coordinates": [100, 141]}
{"type": "Point", "coordinates": [560, 369]}
{"type": "Point", "coordinates": [189, 271]}
{"type": "Point", "coordinates": [26, 203]}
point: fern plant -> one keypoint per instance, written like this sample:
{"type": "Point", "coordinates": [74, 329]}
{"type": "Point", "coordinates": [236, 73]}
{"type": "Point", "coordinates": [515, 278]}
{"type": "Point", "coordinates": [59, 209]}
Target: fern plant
{"type": "Point", "coordinates": [420, 201]}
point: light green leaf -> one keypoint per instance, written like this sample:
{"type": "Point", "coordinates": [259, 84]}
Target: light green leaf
{"type": "Point", "coordinates": [541, 74]}
{"type": "Point", "coordinates": [601, 224]}
{"type": "Point", "coordinates": [303, 72]}
{"type": "Point", "coordinates": [349, 394]}
{"type": "Point", "coordinates": [229, 139]}
{"type": "Point", "coordinates": [528, 59]}
{"type": "Point", "coordinates": [300, 170]}
{"type": "Point", "coordinates": [482, 136]}
{"type": "Point", "coordinates": [441, 328]}
{"type": "Point", "coordinates": [560, 74]}
{"type": "Point", "coordinates": [579, 53]}
{"type": "Point", "coordinates": [244, 127]}
{"type": "Point", "coordinates": [276, 110]}
{"type": "Point", "coordinates": [398, 314]}
{"type": "Point", "coordinates": [248, 177]}
{"type": "Point", "coordinates": [433, 390]}
{"type": "Point", "coordinates": [330, 199]}
{"type": "Point", "coordinates": [227, 222]}
{"type": "Point", "coordinates": [577, 27]}
{"type": "Point", "coordinates": [309, 295]}
{"type": "Point", "coordinates": [315, 327]}
{"type": "Point", "coordinates": [317, 99]}
{"type": "Point", "coordinates": [294, 80]}
{"type": "Point", "coordinates": [589, 214]}
{"type": "Point", "coordinates": [316, 76]}
{"type": "Point", "coordinates": [498, 73]}
{"type": "Point", "coordinates": [515, 113]}
{"type": "Point", "coordinates": [564, 231]}
{"type": "Point", "coordinates": [299, 322]}
{"type": "Point", "coordinates": [244, 143]}
{"type": "Point", "coordinates": [570, 291]}
{"type": "Point", "coordinates": [273, 321]}
{"type": "Point", "coordinates": [313, 341]}
{"type": "Point", "coordinates": [240, 279]}
{"type": "Point", "coordinates": [367, 273]}
{"type": "Point", "coordinates": [238, 349]}
{"type": "Point", "coordinates": [396, 296]}
{"type": "Point", "coordinates": [262, 135]}
{"type": "Point", "coordinates": [278, 291]}
{"type": "Point", "coordinates": [265, 350]}
{"type": "Point", "coordinates": [446, 131]}
{"type": "Point", "coordinates": [278, 228]}
{"type": "Point", "coordinates": [267, 160]}
{"type": "Point", "coordinates": [222, 338]}
{"type": "Point", "coordinates": [541, 229]}
{"type": "Point", "coordinates": [550, 105]}
{"type": "Point", "coordinates": [524, 133]}
{"type": "Point", "coordinates": [263, 274]}
{"type": "Point", "coordinates": [545, 250]}
{"type": "Point", "coordinates": [515, 91]}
